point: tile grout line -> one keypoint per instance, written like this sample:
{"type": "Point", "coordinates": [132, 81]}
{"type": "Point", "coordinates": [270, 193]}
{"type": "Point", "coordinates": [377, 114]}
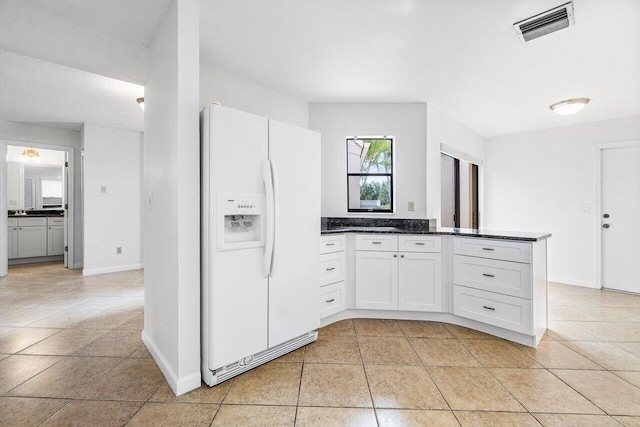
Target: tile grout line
{"type": "Point", "coordinates": [366, 377]}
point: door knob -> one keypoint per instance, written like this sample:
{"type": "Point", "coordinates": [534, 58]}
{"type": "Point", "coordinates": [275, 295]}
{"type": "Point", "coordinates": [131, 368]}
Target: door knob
{"type": "Point", "coordinates": [605, 225]}
{"type": "Point", "coordinates": [605, 216]}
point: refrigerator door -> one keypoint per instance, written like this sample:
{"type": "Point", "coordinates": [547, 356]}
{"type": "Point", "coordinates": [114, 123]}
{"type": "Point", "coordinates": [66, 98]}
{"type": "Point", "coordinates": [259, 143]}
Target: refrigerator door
{"type": "Point", "coordinates": [294, 285]}
{"type": "Point", "coordinates": [234, 292]}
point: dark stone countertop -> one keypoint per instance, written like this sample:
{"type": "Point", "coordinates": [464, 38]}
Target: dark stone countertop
{"type": "Point", "coordinates": [34, 213]}
{"type": "Point", "coordinates": [413, 226]}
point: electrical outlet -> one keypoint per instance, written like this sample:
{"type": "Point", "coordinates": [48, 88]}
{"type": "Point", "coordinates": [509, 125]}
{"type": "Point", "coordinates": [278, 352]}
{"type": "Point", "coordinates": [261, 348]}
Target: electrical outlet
{"type": "Point", "coordinates": [119, 250]}
{"type": "Point", "coordinates": [103, 188]}
{"type": "Point", "coordinates": [586, 208]}
{"type": "Point", "coordinates": [411, 206]}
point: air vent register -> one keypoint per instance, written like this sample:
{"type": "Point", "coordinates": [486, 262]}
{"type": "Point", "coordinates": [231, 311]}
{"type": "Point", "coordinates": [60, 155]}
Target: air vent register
{"type": "Point", "coordinates": [545, 23]}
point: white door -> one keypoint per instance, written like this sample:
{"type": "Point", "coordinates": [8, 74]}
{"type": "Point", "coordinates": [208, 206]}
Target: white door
{"type": "Point", "coordinates": [234, 290]}
{"type": "Point", "coordinates": [419, 283]}
{"type": "Point", "coordinates": [377, 280]}
{"type": "Point", "coordinates": [620, 214]}
{"type": "Point", "coordinates": [294, 285]}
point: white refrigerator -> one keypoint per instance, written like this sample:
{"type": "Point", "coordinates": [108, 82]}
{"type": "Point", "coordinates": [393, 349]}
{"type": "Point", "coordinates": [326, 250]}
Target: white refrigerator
{"type": "Point", "coordinates": [260, 240]}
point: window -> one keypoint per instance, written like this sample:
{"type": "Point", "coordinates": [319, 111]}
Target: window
{"type": "Point", "coordinates": [370, 174]}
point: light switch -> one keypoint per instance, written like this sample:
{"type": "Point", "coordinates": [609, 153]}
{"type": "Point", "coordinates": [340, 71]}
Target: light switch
{"type": "Point", "coordinates": [411, 206]}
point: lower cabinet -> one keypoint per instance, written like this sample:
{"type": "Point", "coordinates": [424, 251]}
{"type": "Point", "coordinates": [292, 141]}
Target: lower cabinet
{"type": "Point", "coordinates": [399, 280]}
{"type": "Point", "coordinates": [32, 241]}
{"type": "Point", "coordinates": [333, 288]}
{"type": "Point", "coordinates": [12, 237]}
{"type": "Point", "coordinates": [419, 282]}
{"type": "Point", "coordinates": [55, 240]}
{"type": "Point", "coordinates": [31, 237]}
{"type": "Point", "coordinates": [377, 280]}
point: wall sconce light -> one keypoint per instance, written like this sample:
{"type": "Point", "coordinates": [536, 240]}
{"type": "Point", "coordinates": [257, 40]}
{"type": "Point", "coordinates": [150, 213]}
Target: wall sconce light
{"type": "Point", "coordinates": [30, 152]}
{"type": "Point", "coordinates": [141, 103]}
{"type": "Point", "coordinates": [570, 106]}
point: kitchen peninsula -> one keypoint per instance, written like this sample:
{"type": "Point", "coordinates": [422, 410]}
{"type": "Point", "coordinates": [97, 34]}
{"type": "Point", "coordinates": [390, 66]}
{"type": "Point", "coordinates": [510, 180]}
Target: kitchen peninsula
{"type": "Point", "coordinates": [490, 281]}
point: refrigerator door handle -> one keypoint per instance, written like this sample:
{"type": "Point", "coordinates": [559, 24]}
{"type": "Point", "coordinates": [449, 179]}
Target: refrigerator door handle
{"type": "Point", "coordinates": [267, 258]}
{"type": "Point", "coordinates": [276, 214]}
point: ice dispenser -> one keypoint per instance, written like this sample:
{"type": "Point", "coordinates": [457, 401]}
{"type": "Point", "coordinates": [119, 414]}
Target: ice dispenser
{"type": "Point", "coordinates": [240, 219]}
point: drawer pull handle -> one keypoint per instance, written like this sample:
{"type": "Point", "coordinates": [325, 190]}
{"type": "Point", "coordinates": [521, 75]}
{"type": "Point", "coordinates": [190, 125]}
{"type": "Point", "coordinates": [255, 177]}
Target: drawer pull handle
{"type": "Point", "coordinates": [489, 308]}
{"type": "Point", "coordinates": [376, 243]}
{"type": "Point", "coordinates": [419, 243]}
{"type": "Point", "coordinates": [329, 244]}
{"type": "Point", "coordinates": [488, 275]}
{"type": "Point", "coordinates": [488, 249]}
{"type": "Point", "coordinates": [331, 300]}
{"type": "Point", "coordinates": [330, 268]}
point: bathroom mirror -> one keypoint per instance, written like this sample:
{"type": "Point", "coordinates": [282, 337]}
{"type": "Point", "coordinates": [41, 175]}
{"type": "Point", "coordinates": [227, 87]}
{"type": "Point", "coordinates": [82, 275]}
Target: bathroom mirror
{"type": "Point", "coordinates": [35, 179]}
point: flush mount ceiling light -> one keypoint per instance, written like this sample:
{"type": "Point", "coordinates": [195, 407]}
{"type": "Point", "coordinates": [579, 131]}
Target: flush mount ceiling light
{"type": "Point", "coordinates": [30, 152]}
{"type": "Point", "coordinates": [141, 103]}
{"type": "Point", "coordinates": [570, 106]}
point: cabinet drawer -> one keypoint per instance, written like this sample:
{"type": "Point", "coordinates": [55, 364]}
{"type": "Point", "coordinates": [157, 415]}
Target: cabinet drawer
{"type": "Point", "coordinates": [495, 249]}
{"type": "Point", "coordinates": [332, 243]}
{"type": "Point", "coordinates": [494, 309]}
{"type": "Point", "coordinates": [55, 220]}
{"type": "Point", "coordinates": [33, 221]}
{"type": "Point", "coordinates": [332, 299]}
{"type": "Point", "coordinates": [411, 243]}
{"type": "Point", "coordinates": [504, 277]}
{"type": "Point", "coordinates": [332, 268]}
{"type": "Point", "coordinates": [376, 242]}
{"type": "Point", "coordinates": [12, 222]}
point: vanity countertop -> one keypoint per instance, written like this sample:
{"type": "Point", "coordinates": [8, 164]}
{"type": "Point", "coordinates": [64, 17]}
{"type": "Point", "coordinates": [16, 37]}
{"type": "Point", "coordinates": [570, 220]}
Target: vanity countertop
{"type": "Point", "coordinates": [42, 213]}
{"type": "Point", "coordinates": [462, 232]}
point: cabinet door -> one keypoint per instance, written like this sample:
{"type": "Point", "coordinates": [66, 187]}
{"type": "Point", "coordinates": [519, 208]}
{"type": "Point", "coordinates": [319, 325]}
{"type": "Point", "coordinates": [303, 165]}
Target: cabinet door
{"type": "Point", "coordinates": [377, 280]}
{"type": "Point", "coordinates": [419, 282]}
{"type": "Point", "coordinates": [32, 241]}
{"type": "Point", "coordinates": [12, 250]}
{"type": "Point", "coordinates": [55, 240]}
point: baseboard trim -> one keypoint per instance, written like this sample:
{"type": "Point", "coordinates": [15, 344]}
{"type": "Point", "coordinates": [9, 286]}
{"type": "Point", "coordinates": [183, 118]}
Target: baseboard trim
{"type": "Point", "coordinates": [178, 385]}
{"type": "Point", "coordinates": [94, 271]}
{"type": "Point", "coordinates": [582, 283]}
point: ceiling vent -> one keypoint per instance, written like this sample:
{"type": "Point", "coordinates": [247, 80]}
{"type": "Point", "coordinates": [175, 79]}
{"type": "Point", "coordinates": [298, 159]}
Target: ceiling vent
{"type": "Point", "coordinates": [545, 23]}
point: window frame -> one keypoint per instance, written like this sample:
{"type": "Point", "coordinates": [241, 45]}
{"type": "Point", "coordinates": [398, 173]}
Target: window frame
{"type": "Point", "coordinates": [391, 209]}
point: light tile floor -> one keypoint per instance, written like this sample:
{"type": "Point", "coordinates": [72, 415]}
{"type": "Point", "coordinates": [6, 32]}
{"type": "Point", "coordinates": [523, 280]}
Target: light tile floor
{"type": "Point", "coordinates": [70, 354]}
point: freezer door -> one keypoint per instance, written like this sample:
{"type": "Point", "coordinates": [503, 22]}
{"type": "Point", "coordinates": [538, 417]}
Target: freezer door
{"type": "Point", "coordinates": [234, 292]}
{"type": "Point", "coordinates": [294, 285]}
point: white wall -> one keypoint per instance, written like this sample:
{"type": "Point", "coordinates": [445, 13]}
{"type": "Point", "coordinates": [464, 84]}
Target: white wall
{"type": "Point", "coordinates": [540, 181]}
{"type": "Point", "coordinates": [243, 95]}
{"type": "Point", "coordinates": [112, 158]}
{"type": "Point", "coordinates": [441, 129]}
{"type": "Point", "coordinates": [172, 198]}
{"type": "Point", "coordinates": [14, 133]}
{"type": "Point", "coordinates": [407, 122]}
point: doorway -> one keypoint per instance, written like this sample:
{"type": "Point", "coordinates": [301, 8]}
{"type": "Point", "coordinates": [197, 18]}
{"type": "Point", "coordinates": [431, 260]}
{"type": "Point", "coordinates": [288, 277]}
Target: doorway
{"type": "Point", "coordinates": [618, 191]}
{"type": "Point", "coordinates": [37, 196]}
{"type": "Point", "coordinates": [459, 193]}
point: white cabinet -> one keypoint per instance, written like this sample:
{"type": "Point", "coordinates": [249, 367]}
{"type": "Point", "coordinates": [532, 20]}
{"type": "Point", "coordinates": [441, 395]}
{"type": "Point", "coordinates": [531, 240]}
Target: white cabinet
{"type": "Point", "coordinates": [55, 240]}
{"type": "Point", "coordinates": [500, 282]}
{"type": "Point", "coordinates": [407, 280]}
{"type": "Point", "coordinates": [377, 280]}
{"type": "Point", "coordinates": [332, 275]}
{"type": "Point", "coordinates": [32, 241]}
{"type": "Point", "coordinates": [419, 282]}
{"type": "Point", "coordinates": [12, 237]}
{"type": "Point", "coordinates": [30, 237]}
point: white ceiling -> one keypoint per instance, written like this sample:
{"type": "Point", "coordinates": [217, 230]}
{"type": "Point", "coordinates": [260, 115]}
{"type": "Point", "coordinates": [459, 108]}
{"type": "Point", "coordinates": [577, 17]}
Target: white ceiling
{"type": "Point", "coordinates": [461, 55]}
{"type": "Point", "coordinates": [34, 90]}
